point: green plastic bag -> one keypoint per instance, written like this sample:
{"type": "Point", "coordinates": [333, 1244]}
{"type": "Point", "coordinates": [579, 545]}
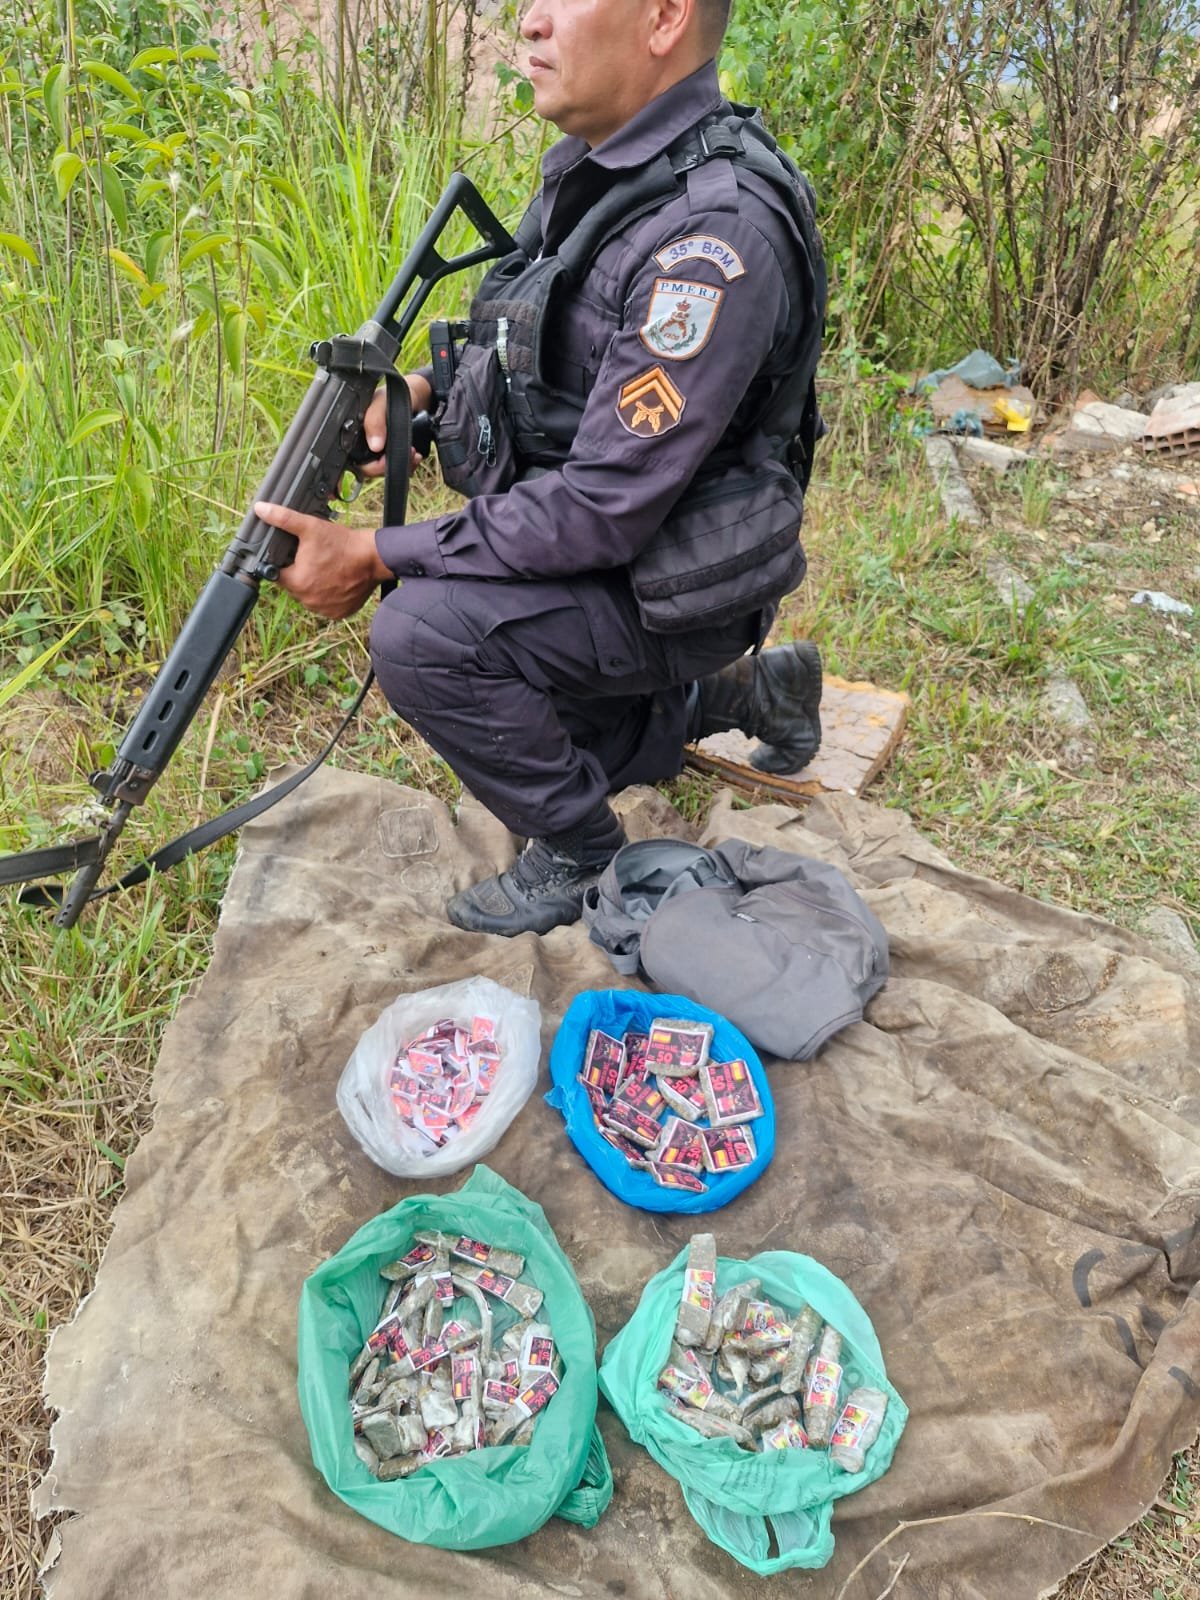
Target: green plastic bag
{"type": "Point", "coordinates": [742, 1500]}
{"type": "Point", "coordinates": [487, 1497]}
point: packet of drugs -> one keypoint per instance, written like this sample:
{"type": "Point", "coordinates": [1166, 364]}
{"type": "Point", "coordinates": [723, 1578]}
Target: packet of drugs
{"type": "Point", "coordinates": [602, 1062]}
{"type": "Point", "coordinates": [537, 1394]}
{"type": "Point", "coordinates": [597, 1101]}
{"type": "Point", "coordinates": [730, 1093]}
{"type": "Point", "coordinates": [684, 1096]}
{"type": "Point", "coordinates": [643, 1097]}
{"type": "Point", "coordinates": [524, 1300]}
{"type": "Point", "coordinates": [426, 1355]}
{"type": "Point", "coordinates": [699, 1292]}
{"type": "Point", "coordinates": [857, 1429]}
{"type": "Point", "coordinates": [679, 1145]}
{"type": "Point", "coordinates": [677, 1047]}
{"type": "Point", "coordinates": [635, 1112]}
{"type": "Point", "coordinates": [761, 1317]}
{"type": "Point", "coordinates": [822, 1381]}
{"type": "Point", "coordinates": [727, 1149]}
{"type": "Point", "coordinates": [533, 1398]}
{"type": "Point", "coordinates": [537, 1347]}
{"type": "Point", "coordinates": [464, 1376]}
{"type": "Point", "coordinates": [425, 1063]}
{"type": "Point", "coordinates": [507, 1262]}
{"type": "Point", "coordinates": [690, 1388]}
{"type": "Point", "coordinates": [487, 1070]}
{"type": "Point", "coordinates": [676, 1178]}
{"type": "Point", "coordinates": [388, 1337]}
{"type": "Point", "coordinates": [788, 1435]}
{"type": "Point", "coordinates": [497, 1395]}
{"type": "Point", "coordinates": [635, 1154]}
{"type": "Point", "coordinates": [633, 1124]}
{"type": "Point", "coordinates": [635, 1068]}
{"type": "Point", "coordinates": [715, 1427]}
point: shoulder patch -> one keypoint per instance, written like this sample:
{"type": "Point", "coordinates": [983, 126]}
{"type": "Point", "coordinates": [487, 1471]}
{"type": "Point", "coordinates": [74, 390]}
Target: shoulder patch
{"type": "Point", "coordinates": [650, 404]}
{"type": "Point", "coordinates": [701, 247]}
{"type": "Point", "coordinates": [681, 318]}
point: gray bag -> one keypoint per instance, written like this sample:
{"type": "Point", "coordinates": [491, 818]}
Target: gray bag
{"type": "Point", "coordinates": [778, 943]}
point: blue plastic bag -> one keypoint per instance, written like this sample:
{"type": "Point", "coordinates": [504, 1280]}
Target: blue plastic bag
{"type": "Point", "coordinates": [615, 1011]}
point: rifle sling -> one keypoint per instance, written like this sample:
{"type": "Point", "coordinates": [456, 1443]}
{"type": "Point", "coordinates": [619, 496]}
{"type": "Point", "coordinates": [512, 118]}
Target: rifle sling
{"type": "Point", "coordinates": [52, 861]}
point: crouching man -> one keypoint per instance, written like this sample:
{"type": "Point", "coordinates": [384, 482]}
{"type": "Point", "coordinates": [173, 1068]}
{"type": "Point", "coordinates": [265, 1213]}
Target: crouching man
{"type": "Point", "coordinates": [633, 418]}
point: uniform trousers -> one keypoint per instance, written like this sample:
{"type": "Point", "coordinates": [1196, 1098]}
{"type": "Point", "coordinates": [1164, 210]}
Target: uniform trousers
{"type": "Point", "coordinates": [544, 696]}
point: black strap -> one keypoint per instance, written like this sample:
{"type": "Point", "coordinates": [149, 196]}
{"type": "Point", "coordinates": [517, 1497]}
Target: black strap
{"type": "Point", "coordinates": [528, 237]}
{"type": "Point", "coordinates": [48, 862]}
{"type": "Point", "coordinates": [641, 192]}
{"type": "Point", "coordinates": [33, 864]}
{"type": "Point", "coordinates": [187, 844]}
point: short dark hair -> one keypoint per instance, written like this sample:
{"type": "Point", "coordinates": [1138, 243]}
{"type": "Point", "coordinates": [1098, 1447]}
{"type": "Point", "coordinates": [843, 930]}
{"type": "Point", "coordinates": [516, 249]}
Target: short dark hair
{"type": "Point", "coordinates": [714, 19]}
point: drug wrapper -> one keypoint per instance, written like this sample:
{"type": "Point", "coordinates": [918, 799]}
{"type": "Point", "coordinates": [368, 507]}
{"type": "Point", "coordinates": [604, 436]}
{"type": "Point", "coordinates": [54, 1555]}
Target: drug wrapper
{"type": "Point", "coordinates": [729, 1093]}
{"type": "Point", "coordinates": [680, 1145]}
{"type": "Point", "coordinates": [684, 1096]}
{"type": "Point", "coordinates": [787, 1435]}
{"type": "Point", "coordinates": [676, 1178]}
{"type": "Point", "coordinates": [727, 1149]}
{"type": "Point", "coordinates": [699, 1292]}
{"type": "Point", "coordinates": [677, 1046]}
{"type": "Point", "coordinates": [857, 1429]}
{"type": "Point", "coordinates": [603, 1061]}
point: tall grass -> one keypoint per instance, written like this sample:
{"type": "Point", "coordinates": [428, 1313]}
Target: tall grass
{"type": "Point", "coordinates": [172, 241]}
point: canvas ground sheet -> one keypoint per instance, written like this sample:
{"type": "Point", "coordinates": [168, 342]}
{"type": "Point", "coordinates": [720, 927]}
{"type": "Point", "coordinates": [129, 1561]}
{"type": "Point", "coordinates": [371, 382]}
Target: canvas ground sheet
{"type": "Point", "coordinates": [1002, 1162]}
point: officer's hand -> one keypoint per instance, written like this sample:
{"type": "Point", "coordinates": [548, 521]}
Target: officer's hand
{"type": "Point", "coordinates": [375, 423]}
{"type": "Point", "coordinates": [335, 569]}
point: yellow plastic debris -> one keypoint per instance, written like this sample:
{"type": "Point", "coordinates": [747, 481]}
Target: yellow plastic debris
{"type": "Point", "coordinates": [1018, 416]}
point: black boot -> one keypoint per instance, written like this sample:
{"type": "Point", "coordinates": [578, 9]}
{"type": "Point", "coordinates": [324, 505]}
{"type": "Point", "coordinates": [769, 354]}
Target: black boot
{"type": "Point", "coordinates": [774, 696]}
{"type": "Point", "coordinates": [544, 887]}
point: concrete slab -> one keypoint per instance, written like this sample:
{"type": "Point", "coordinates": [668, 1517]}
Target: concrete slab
{"type": "Point", "coordinates": [861, 725]}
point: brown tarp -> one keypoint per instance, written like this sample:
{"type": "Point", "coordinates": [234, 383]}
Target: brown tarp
{"type": "Point", "coordinates": [1003, 1162]}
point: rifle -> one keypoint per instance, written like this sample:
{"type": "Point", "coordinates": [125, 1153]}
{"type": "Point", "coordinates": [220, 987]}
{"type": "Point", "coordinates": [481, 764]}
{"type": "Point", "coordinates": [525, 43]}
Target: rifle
{"type": "Point", "coordinates": [324, 441]}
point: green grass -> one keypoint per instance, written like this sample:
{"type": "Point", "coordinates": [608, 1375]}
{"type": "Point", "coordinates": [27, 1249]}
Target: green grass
{"type": "Point", "coordinates": [1108, 822]}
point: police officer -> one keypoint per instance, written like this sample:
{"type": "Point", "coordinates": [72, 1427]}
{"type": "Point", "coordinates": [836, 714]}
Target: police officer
{"type": "Point", "coordinates": [633, 417]}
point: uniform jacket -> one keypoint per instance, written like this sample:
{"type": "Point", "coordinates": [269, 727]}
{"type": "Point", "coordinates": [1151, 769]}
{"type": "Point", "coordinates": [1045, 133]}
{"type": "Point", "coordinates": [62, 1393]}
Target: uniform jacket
{"type": "Point", "coordinates": [672, 340]}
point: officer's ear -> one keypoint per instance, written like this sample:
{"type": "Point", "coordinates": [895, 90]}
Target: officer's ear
{"type": "Point", "coordinates": [675, 25]}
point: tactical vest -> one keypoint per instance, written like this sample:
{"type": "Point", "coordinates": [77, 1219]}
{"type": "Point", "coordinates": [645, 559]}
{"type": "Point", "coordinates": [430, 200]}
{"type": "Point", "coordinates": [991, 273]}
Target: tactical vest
{"type": "Point", "coordinates": [505, 421]}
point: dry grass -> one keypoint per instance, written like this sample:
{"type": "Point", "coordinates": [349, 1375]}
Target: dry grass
{"type": "Point", "coordinates": [59, 1190]}
{"type": "Point", "coordinates": [1159, 1557]}
{"type": "Point", "coordinates": [85, 1011]}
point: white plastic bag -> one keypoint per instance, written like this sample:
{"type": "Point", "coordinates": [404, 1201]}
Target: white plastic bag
{"type": "Point", "coordinates": [364, 1096]}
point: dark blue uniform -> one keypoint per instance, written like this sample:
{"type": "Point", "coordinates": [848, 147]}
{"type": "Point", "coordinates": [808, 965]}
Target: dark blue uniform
{"type": "Point", "coordinates": [514, 644]}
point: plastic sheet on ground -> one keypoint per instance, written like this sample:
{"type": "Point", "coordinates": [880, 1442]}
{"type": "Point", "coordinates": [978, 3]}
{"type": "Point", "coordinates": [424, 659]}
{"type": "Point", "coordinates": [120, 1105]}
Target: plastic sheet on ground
{"type": "Point", "coordinates": [1002, 1162]}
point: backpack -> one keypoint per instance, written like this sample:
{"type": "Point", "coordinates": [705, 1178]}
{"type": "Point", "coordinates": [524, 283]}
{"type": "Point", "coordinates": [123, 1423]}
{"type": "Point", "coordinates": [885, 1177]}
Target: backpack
{"type": "Point", "coordinates": [780, 944]}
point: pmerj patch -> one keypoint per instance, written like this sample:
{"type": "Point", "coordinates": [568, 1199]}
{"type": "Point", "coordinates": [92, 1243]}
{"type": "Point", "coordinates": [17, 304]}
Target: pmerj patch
{"type": "Point", "coordinates": [650, 404]}
{"type": "Point", "coordinates": [681, 318]}
{"type": "Point", "coordinates": [702, 247]}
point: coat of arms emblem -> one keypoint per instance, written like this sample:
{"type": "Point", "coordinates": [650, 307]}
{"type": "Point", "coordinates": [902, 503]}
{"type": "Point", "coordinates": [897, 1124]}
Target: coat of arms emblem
{"type": "Point", "coordinates": [681, 318]}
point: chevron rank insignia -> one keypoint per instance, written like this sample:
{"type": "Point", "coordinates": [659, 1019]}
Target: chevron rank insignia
{"type": "Point", "coordinates": [650, 404]}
